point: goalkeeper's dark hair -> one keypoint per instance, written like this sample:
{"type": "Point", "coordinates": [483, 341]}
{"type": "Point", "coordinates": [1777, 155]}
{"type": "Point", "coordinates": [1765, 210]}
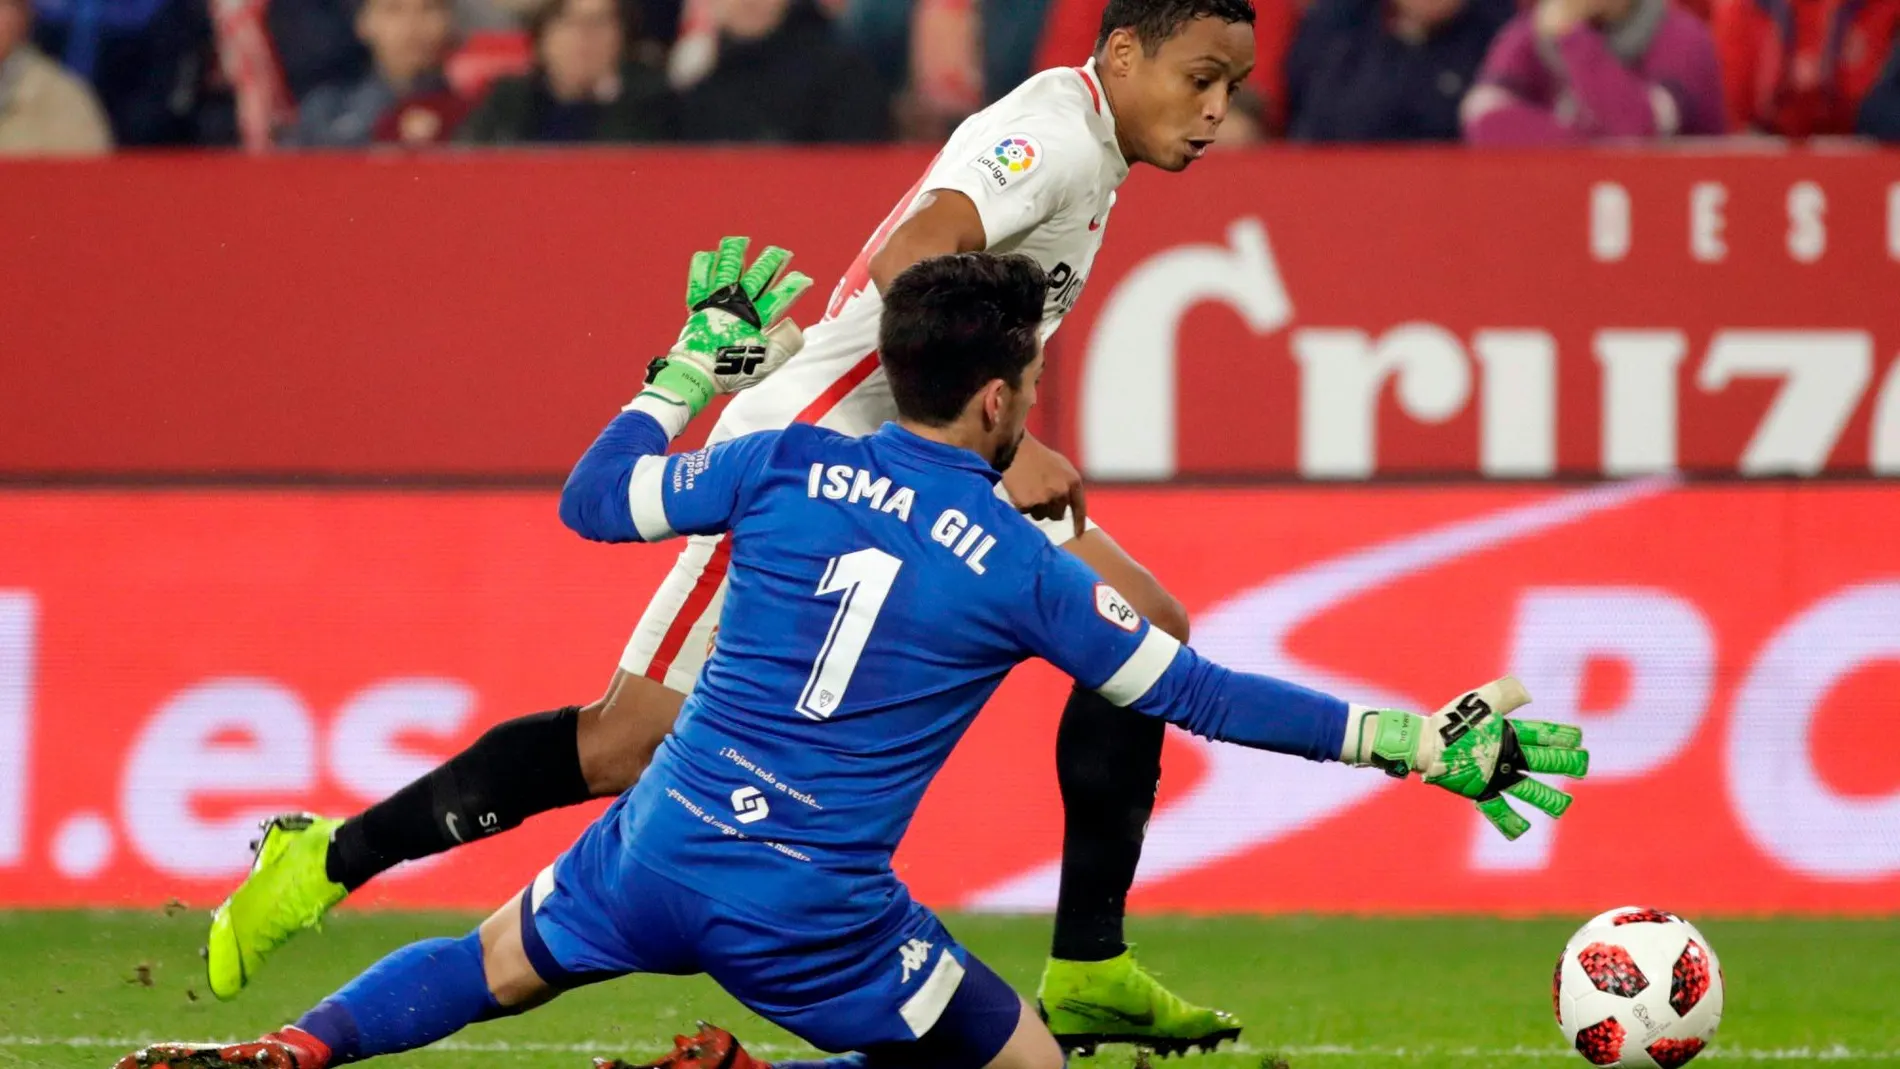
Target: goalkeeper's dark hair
{"type": "Point", "coordinates": [953, 323]}
{"type": "Point", "coordinates": [1154, 21]}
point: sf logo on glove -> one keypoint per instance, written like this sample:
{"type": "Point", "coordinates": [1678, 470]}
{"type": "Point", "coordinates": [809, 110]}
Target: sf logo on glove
{"type": "Point", "coordinates": [738, 359]}
{"type": "Point", "coordinates": [1470, 713]}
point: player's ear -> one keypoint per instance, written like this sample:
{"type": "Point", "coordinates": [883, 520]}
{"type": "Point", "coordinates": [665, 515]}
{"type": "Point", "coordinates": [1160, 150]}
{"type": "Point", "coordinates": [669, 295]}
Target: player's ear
{"type": "Point", "coordinates": [995, 405]}
{"type": "Point", "coordinates": [1119, 52]}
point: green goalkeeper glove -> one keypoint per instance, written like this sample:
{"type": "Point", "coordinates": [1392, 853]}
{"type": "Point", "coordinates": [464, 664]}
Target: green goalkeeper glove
{"type": "Point", "coordinates": [1470, 749]}
{"type": "Point", "coordinates": [738, 333]}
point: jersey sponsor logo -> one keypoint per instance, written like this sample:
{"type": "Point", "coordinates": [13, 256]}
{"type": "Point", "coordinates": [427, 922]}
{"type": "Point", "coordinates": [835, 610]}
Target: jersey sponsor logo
{"type": "Point", "coordinates": [1065, 287]}
{"type": "Point", "coordinates": [749, 805]}
{"type": "Point", "coordinates": [1014, 157]}
{"type": "Point", "coordinates": [689, 467]}
{"type": "Point", "coordinates": [912, 956]}
{"type": "Point", "coordinates": [1115, 609]}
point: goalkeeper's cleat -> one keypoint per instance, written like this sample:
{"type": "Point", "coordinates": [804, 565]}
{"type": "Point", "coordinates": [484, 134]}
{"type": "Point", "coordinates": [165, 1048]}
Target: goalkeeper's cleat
{"type": "Point", "coordinates": [1088, 1003]}
{"type": "Point", "coordinates": [288, 1049]}
{"type": "Point", "coordinates": [286, 891]}
{"type": "Point", "coordinates": [711, 1048]}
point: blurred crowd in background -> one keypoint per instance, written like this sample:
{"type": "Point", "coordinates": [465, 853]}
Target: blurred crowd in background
{"type": "Point", "coordinates": [85, 76]}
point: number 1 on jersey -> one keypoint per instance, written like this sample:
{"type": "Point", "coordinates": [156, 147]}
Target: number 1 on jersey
{"type": "Point", "coordinates": [865, 578]}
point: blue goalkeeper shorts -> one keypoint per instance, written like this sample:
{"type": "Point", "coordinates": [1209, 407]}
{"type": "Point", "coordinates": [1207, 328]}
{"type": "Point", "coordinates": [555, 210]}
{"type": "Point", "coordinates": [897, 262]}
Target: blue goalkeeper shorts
{"type": "Point", "coordinates": [883, 986]}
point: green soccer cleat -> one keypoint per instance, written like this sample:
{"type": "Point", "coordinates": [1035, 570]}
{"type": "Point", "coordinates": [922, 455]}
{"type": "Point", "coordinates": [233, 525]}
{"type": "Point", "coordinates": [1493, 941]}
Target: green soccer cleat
{"type": "Point", "coordinates": [1086, 1003]}
{"type": "Point", "coordinates": [287, 891]}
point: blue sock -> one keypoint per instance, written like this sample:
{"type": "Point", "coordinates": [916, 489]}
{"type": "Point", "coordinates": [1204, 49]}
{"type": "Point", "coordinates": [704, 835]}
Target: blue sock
{"type": "Point", "coordinates": [853, 1060]}
{"type": "Point", "coordinates": [411, 998]}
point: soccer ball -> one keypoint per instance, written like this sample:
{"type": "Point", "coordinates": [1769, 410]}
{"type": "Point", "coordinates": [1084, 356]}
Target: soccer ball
{"type": "Point", "coordinates": [1638, 987]}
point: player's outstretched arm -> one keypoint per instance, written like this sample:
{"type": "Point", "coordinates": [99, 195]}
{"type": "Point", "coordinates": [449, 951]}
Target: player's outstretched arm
{"type": "Point", "coordinates": [736, 335]}
{"type": "Point", "coordinates": [1467, 747]}
{"type": "Point", "coordinates": [1085, 628]}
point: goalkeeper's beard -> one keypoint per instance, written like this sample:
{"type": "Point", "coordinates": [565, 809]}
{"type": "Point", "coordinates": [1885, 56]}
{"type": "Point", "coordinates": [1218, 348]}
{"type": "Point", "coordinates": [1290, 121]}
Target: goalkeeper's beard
{"type": "Point", "coordinates": [1006, 455]}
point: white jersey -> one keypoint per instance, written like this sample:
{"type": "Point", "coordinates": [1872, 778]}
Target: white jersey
{"type": "Point", "coordinates": [1041, 165]}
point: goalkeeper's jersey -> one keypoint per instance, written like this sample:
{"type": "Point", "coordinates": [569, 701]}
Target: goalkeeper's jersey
{"type": "Point", "coordinates": [1041, 165]}
{"type": "Point", "coordinates": [879, 593]}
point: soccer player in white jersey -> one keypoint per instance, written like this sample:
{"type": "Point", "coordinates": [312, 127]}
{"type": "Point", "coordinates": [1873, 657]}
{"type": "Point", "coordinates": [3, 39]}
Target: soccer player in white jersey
{"type": "Point", "coordinates": [1035, 173]}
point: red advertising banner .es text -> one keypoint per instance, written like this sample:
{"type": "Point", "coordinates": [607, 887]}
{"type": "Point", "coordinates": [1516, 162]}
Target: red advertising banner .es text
{"type": "Point", "coordinates": [175, 665]}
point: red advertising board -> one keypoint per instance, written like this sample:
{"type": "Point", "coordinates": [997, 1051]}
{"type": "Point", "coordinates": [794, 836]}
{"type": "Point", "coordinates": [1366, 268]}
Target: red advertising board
{"type": "Point", "coordinates": [175, 664]}
{"type": "Point", "coordinates": [1331, 314]}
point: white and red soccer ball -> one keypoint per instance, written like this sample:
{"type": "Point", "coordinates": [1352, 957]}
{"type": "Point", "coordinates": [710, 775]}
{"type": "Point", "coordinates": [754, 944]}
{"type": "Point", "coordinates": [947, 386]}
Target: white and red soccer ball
{"type": "Point", "coordinates": [1638, 987]}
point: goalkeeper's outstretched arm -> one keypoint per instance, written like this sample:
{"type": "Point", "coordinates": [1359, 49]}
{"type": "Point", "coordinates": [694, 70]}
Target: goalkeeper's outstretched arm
{"type": "Point", "coordinates": [1468, 747]}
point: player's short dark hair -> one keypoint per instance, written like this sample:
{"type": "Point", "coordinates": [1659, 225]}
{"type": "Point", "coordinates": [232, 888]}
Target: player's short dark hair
{"type": "Point", "coordinates": [1154, 21]}
{"type": "Point", "coordinates": [953, 323]}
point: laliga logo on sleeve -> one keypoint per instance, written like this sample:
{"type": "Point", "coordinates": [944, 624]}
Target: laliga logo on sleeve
{"type": "Point", "coordinates": [1017, 152]}
{"type": "Point", "coordinates": [1012, 158]}
{"type": "Point", "coordinates": [749, 805]}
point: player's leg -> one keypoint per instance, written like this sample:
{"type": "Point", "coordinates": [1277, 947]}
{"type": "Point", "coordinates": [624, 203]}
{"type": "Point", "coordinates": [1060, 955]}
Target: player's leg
{"type": "Point", "coordinates": [1030, 1046]}
{"type": "Point", "coordinates": [419, 994]}
{"type": "Point", "coordinates": [986, 1025]}
{"type": "Point", "coordinates": [983, 1013]}
{"type": "Point", "coordinates": [898, 989]}
{"type": "Point", "coordinates": [1108, 764]}
{"type": "Point", "coordinates": [575, 924]}
{"type": "Point", "coordinates": [305, 864]}
{"type": "Point", "coordinates": [518, 768]}
{"type": "Point", "coordinates": [515, 770]}
{"type": "Point", "coordinates": [548, 761]}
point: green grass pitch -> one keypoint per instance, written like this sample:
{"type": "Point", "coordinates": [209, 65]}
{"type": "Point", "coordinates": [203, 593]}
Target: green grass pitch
{"type": "Point", "coordinates": [1318, 992]}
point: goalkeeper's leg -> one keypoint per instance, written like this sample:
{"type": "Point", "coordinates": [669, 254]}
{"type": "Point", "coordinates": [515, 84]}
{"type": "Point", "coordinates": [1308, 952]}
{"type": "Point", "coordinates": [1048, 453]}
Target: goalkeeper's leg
{"type": "Point", "coordinates": [420, 994]}
{"type": "Point", "coordinates": [518, 768]}
{"type": "Point", "coordinates": [1108, 764]}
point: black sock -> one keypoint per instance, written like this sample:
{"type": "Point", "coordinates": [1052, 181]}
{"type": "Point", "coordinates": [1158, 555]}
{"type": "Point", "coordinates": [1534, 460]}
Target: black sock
{"type": "Point", "coordinates": [518, 768]}
{"type": "Point", "coordinates": [1108, 762]}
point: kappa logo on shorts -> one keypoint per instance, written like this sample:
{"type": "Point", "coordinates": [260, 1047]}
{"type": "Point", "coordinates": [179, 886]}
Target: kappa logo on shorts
{"type": "Point", "coordinates": [1014, 157]}
{"type": "Point", "coordinates": [913, 955]}
{"type": "Point", "coordinates": [1115, 609]}
{"type": "Point", "coordinates": [749, 805]}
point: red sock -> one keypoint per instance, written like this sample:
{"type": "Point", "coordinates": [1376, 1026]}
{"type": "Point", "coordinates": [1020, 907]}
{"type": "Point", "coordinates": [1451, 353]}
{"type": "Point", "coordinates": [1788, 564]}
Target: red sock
{"type": "Point", "coordinates": [310, 1052]}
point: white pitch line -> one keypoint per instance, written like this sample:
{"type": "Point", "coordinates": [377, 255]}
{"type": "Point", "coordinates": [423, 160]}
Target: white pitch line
{"type": "Point", "coordinates": [621, 1044]}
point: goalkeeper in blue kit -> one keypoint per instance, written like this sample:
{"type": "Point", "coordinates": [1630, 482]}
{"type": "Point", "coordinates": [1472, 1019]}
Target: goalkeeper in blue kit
{"type": "Point", "coordinates": [880, 592]}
